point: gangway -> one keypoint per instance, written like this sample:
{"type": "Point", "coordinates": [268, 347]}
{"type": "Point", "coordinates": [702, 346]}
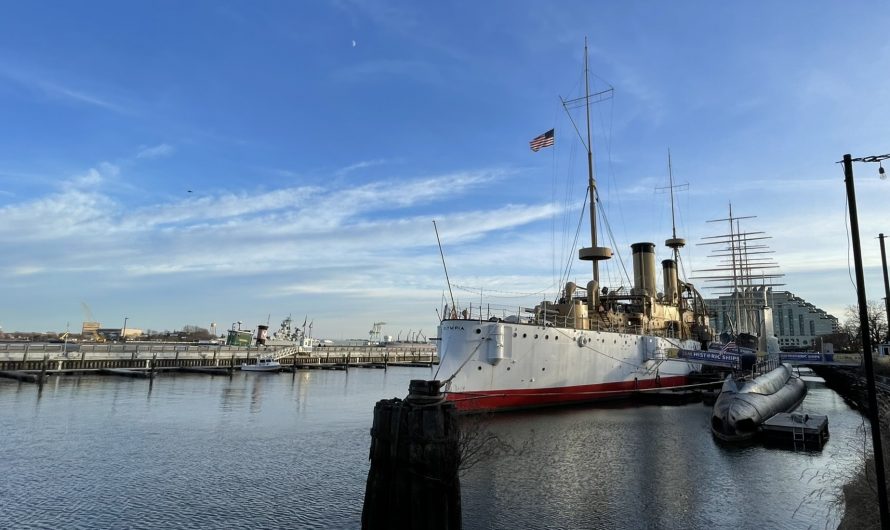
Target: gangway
{"type": "Point", "coordinates": [289, 351]}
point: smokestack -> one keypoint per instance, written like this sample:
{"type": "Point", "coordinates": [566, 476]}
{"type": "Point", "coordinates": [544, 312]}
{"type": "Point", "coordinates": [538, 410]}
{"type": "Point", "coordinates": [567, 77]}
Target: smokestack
{"type": "Point", "coordinates": [671, 293]}
{"type": "Point", "coordinates": [644, 268]}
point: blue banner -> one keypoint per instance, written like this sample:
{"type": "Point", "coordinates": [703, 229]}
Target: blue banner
{"type": "Point", "coordinates": [711, 357]}
{"type": "Point", "coordinates": [802, 356]}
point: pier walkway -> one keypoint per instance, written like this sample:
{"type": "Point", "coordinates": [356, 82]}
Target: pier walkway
{"type": "Point", "coordinates": [25, 361]}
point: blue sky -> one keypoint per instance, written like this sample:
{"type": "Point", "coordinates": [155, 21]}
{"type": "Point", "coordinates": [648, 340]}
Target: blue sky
{"type": "Point", "coordinates": [194, 162]}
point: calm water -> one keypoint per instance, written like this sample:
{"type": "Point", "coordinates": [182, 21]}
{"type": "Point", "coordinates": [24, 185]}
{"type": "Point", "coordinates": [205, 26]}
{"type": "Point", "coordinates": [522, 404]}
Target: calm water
{"type": "Point", "coordinates": [273, 451]}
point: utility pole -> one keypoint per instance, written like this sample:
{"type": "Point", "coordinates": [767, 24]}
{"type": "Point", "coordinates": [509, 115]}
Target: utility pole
{"type": "Point", "coordinates": [866, 340]}
{"type": "Point", "coordinates": [886, 285]}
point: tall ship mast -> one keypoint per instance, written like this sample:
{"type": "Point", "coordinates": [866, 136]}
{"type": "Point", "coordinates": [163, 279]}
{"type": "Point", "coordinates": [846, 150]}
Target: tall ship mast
{"type": "Point", "coordinates": [744, 273]}
{"type": "Point", "coordinates": [590, 343]}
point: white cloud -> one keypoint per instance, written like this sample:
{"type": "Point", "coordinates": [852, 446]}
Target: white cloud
{"type": "Point", "coordinates": [157, 151]}
{"type": "Point", "coordinates": [53, 89]}
{"type": "Point", "coordinates": [93, 177]}
{"type": "Point", "coordinates": [360, 165]}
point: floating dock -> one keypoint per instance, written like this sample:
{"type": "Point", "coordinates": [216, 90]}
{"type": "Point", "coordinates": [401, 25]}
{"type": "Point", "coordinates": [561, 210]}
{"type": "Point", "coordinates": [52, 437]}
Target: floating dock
{"type": "Point", "coordinates": [20, 376]}
{"type": "Point", "coordinates": [802, 431]}
{"type": "Point", "coordinates": [123, 372]}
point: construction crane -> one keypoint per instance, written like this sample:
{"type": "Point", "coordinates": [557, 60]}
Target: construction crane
{"type": "Point", "coordinates": [375, 332]}
{"type": "Point", "coordinates": [90, 328]}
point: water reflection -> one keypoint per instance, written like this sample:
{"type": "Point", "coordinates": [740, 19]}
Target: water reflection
{"type": "Point", "coordinates": [178, 459]}
{"type": "Point", "coordinates": [654, 467]}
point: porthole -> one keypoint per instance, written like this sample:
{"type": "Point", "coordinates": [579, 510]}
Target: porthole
{"type": "Point", "coordinates": [556, 337]}
{"type": "Point", "coordinates": [508, 368]}
{"type": "Point", "coordinates": [542, 369]}
{"type": "Point", "coordinates": [479, 368]}
{"type": "Point", "coordinates": [478, 331]}
{"type": "Point", "coordinates": [514, 334]}
{"type": "Point", "coordinates": [524, 335]}
{"type": "Point", "coordinates": [546, 337]}
{"type": "Point", "coordinates": [536, 335]}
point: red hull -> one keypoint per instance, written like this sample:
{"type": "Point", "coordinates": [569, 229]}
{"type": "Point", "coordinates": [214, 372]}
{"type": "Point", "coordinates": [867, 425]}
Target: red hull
{"type": "Point", "coordinates": [497, 400]}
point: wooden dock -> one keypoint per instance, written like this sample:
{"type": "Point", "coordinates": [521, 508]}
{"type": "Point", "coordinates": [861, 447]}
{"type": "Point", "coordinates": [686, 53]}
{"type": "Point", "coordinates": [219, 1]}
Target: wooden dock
{"type": "Point", "coordinates": [801, 431]}
{"type": "Point", "coordinates": [123, 372]}
{"type": "Point", "coordinates": [146, 364]}
{"type": "Point", "coordinates": [206, 370]}
{"type": "Point", "coordinates": [18, 375]}
{"type": "Point", "coordinates": [667, 396]}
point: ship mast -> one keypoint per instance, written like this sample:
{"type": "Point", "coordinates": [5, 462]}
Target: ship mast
{"type": "Point", "coordinates": [591, 182]}
{"type": "Point", "coordinates": [735, 276]}
{"type": "Point", "coordinates": [593, 252]}
{"type": "Point", "coordinates": [674, 243]}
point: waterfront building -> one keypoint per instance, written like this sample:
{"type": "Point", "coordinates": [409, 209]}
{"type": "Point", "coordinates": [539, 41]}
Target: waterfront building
{"type": "Point", "coordinates": [796, 322]}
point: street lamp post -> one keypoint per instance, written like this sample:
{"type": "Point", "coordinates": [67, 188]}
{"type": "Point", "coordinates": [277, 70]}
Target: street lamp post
{"type": "Point", "coordinates": [866, 340]}
{"type": "Point", "coordinates": [124, 330]}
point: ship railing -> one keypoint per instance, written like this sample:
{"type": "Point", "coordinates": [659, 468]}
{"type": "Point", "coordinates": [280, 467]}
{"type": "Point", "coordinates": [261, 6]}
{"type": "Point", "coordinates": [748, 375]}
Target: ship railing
{"type": "Point", "coordinates": [545, 316]}
{"type": "Point", "coordinates": [765, 365]}
{"type": "Point", "coordinates": [492, 312]}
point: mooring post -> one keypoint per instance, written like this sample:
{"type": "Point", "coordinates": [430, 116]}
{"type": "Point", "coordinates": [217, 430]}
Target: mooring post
{"type": "Point", "coordinates": [42, 372]}
{"type": "Point", "coordinates": [385, 360]}
{"type": "Point", "coordinates": [231, 365]}
{"type": "Point", "coordinates": [151, 366]}
{"type": "Point", "coordinates": [347, 360]}
{"type": "Point", "coordinates": [413, 481]}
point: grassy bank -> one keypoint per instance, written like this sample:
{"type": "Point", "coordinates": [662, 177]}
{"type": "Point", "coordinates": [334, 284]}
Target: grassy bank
{"type": "Point", "coordinates": [860, 493]}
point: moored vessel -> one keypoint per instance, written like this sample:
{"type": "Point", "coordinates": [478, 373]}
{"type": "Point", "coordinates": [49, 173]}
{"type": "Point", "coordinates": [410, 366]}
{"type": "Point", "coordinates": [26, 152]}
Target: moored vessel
{"type": "Point", "coordinates": [263, 364]}
{"type": "Point", "coordinates": [744, 404]}
{"type": "Point", "coordinates": [590, 343]}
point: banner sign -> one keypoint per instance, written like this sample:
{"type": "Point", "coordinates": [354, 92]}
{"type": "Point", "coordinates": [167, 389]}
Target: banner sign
{"type": "Point", "coordinates": [724, 358]}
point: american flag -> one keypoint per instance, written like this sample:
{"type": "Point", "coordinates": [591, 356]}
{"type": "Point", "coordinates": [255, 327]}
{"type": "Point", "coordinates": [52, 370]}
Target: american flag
{"type": "Point", "coordinates": [545, 140]}
{"type": "Point", "coordinates": [728, 346]}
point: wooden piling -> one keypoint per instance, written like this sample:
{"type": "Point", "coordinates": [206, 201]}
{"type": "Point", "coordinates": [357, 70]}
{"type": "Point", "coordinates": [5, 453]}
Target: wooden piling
{"type": "Point", "coordinates": [413, 481]}
{"type": "Point", "coordinates": [42, 372]}
{"type": "Point", "coordinates": [154, 360]}
{"type": "Point", "coordinates": [231, 365]}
